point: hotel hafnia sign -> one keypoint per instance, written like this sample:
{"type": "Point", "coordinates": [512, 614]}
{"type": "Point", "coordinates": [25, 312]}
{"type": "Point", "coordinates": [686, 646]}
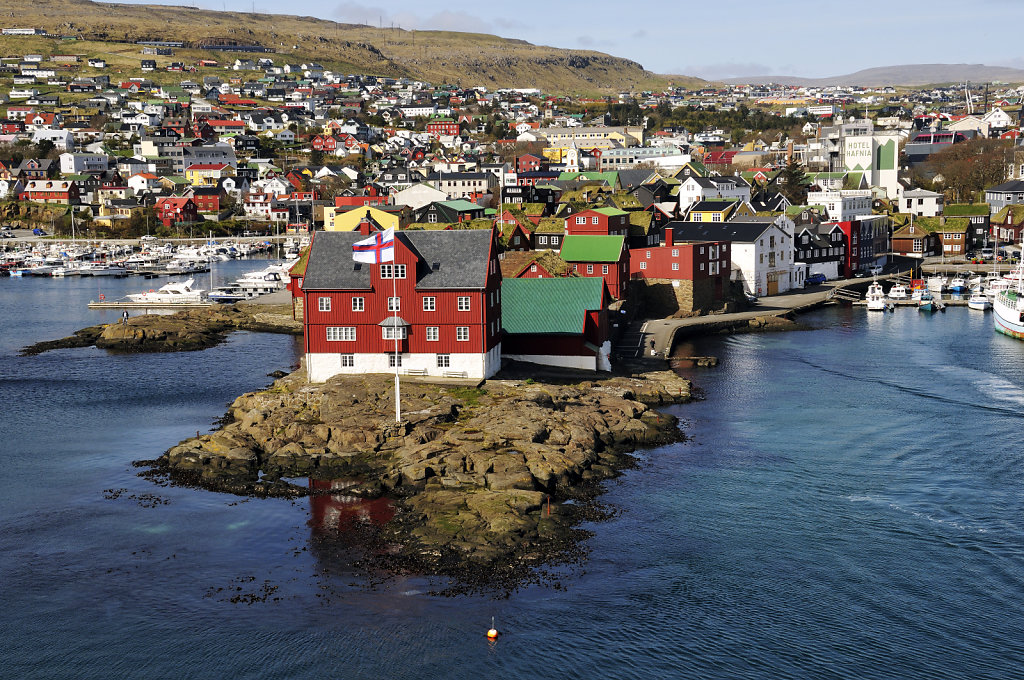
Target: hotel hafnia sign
{"type": "Point", "coordinates": [859, 154]}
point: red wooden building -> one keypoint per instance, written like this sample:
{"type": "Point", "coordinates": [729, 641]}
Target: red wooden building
{"type": "Point", "coordinates": [704, 264]}
{"type": "Point", "coordinates": [557, 322]}
{"type": "Point", "coordinates": [445, 311]}
{"type": "Point", "coordinates": [598, 222]}
{"type": "Point", "coordinates": [176, 209]}
{"type": "Point", "coordinates": [443, 126]}
{"type": "Point", "coordinates": [603, 256]}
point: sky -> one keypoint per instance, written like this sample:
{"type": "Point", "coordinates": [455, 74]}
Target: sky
{"type": "Point", "coordinates": [708, 39]}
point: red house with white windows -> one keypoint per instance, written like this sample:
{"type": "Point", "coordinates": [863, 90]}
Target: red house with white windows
{"type": "Point", "coordinates": [604, 256]}
{"type": "Point", "coordinates": [439, 301]}
{"type": "Point", "coordinates": [176, 209]}
{"type": "Point", "coordinates": [598, 222]}
{"type": "Point", "coordinates": [443, 127]}
{"type": "Point", "coordinates": [704, 263]}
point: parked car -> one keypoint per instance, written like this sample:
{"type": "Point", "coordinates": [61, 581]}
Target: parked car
{"type": "Point", "coordinates": [876, 270]}
{"type": "Point", "coordinates": [814, 280]}
{"type": "Point", "coordinates": [38, 232]}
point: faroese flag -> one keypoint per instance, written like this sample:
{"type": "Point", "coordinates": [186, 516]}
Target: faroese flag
{"type": "Point", "coordinates": [378, 248]}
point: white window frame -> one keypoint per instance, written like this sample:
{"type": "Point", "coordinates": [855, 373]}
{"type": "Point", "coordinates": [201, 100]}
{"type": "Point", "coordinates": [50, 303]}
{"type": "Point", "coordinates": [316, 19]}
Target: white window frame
{"type": "Point", "coordinates": [394, 304]}
{"type": "Point", "coordinates": [348, 360]}
{"type": "Point", "coordinates": [590, 269]}
{"type": "Point", "coordinates": [394, 360]}
{"type": "Point", "coordinates": [430, 303]}
{"type": "Point", "coordinates": [341, 333]}
{"type": "Point", "coordinates": [358, 304]}
{"type": "Point", "coordinates": [463, 303]}
{"type": "Point", "coordinates": [394, 332]}
{"type": "Point", "coordinates": [675, 252]}
{"type": "Point", "coordinates": [604, 269]}
{"type": "Point", "coordinates": [675, 266]}
{"type": "Point", "coordinates": [581, 220]}
{"type": "Point", "coordinates": [643, 265]}
{"type": "Point", "coordinates": [444, 360]}
{"type": "Point", "coordinates": [595, 220]}
{"type": "Point", "coordinates": [462, 333]}
{"type": "Point", "coordinates": [395, 270]}
{"type": "Point", "coordinates": [324, 304]}
{"type": "Point", "coordinates": [433, 333]}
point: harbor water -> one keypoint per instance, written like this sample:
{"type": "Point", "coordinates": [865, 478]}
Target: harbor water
{"type": "Point", "coordinates": [848, 505]}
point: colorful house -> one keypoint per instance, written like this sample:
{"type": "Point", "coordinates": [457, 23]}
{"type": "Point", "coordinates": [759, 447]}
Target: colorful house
{"type": "Point", "coordinates": [599, 256]}
{"type": "Point", "coordinates": [176, 209]}
{"type": "Point", "coordinates": [557, 322]}
{"type": "Point", "coordinates": [438, 303]}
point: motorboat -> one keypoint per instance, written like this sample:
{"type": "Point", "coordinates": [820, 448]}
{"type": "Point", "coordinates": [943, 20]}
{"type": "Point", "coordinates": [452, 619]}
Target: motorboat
{"type": "Point", "coordinates": [898, 292]}
{"type": "Point", "coordinates": [102, 269]}
{"type": "Point", "coordinates": [936, 284]}
{"type": "Point", "coordinates": [926, 302]}
{"type": "Point", "coordinates": [227, 294]}
{"type": "Point", "coordinates": [875, 297]}
{"type": "Point", "coordinates": [176, 292]}
{"type": "Point", "coordinates": [979, 301]}
{"type": "Point", "coordinates": [1008, 306]}
{"type": "Point", "coordinates": [958, 284]}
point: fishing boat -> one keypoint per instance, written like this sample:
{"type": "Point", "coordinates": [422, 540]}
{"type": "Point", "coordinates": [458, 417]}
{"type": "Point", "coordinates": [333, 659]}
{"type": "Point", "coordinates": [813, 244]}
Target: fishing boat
{"type": "Point", "coordinates": [926, 302]}
{"type": "Point", "coordinates": [1009, 306]}
{"type": "Point", "coordinates": [937, 284]}
{"type": "Point", "coordinates": [979, 301]}
{"type": "Point", "coordinates": [875, 297]}
{"type": "Point", "coordinates": [958, 284]}
{"type": "Point", "coordinates": [898, 292]}
{"type": "Point", "coordinates": [176, 292]}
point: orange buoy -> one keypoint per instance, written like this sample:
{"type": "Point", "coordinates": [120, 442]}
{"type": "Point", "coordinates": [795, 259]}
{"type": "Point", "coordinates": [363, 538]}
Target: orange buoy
{"type": "Point", "coordinates": [150, 290]}
{"type": "Point", "coordinates": [493, 632]}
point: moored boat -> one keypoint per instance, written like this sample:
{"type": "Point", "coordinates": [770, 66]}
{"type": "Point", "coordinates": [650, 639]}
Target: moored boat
{"type": "Point", "coordinates": [979, 301]}
{"type": "Point", "coordinates": [926, 302]}
{"type": "Point", "coordinates": [898, 292]}
{"type": "Point", "coordinates": [1008, 306]}
{"type": "Point", "coordinates": [176, 292]}
{"type": "Point", "coordinates": [875, 297]}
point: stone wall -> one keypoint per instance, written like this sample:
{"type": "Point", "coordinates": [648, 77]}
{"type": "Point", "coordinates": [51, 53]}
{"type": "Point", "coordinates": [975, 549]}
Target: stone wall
{"type": "Point", "coordinates": [668, 297]}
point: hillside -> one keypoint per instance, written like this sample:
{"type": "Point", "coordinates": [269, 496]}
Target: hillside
{"type": "Point", "coordinates": [910, 75]}
{"type": "Point", "coordinates": [465, 59]}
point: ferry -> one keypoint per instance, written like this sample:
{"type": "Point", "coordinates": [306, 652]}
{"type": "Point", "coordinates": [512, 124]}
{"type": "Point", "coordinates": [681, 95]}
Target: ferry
{"type": "Point", "coordinates": [1008, 306]}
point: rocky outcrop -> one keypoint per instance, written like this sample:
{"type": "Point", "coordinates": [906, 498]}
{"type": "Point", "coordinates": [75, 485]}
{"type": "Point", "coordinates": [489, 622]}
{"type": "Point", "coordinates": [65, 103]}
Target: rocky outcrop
{"type": "Point", "coordinates": [187, 330]}
{"type": "Point", "coordinates": [479, 473]}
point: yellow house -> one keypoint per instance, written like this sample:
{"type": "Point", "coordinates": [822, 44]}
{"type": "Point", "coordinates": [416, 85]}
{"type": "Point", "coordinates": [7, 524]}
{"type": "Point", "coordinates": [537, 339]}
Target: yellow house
{"type": "Point", "coordinates": [348, 218]}
{"type": "Point", "coordinates": [719, 211]}
{"type": "Point", "coordinates": [208, 174]}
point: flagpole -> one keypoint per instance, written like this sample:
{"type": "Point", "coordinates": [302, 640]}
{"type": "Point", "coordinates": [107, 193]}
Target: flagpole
{"type": "Point", "coordinates": [394, 312]}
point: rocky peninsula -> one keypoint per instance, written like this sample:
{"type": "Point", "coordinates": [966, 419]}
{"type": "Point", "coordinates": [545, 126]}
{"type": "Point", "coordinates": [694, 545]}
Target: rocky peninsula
{"type": "Point", "coordinates": [489, 481]}
{"type": "Point", "coordinates": [187, 330]}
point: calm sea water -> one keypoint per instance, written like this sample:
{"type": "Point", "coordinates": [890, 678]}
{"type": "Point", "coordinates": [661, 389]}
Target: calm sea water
{"type": "Point", "coordinates": [849, 506]}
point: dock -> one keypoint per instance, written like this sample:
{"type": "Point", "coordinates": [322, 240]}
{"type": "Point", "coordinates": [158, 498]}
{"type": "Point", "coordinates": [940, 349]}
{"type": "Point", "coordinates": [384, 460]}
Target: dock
{"type": "Point", "coordinates": [129, 304]}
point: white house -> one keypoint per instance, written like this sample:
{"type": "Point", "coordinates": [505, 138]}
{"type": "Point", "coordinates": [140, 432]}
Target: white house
{"type": "Point", "coordinates": [842, 205]}
{"type": "Point", "coordinates": [696, 189]}
{"type": "Point", "coordinates": [998, 119]}
{"type": "Point", "coordinates": [762, 250]}
{"type": "Point", "coordinates": [921, 202]}
{"type": "Point", "coordinates": [61, 139]}
{"type": "Point", "coordinates": [10, 188]}
{"type": "Point", "coordinates": [418, 196]}
{"type": "Point", "coordinates": [78, 163]}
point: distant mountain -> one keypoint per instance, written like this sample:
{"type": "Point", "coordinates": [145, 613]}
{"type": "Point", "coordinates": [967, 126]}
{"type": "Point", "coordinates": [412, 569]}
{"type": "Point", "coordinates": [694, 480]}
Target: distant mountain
{"type": "Point", "coordinates": [439, 57]}
{"type": "Point", "coordinates": [910, 75]}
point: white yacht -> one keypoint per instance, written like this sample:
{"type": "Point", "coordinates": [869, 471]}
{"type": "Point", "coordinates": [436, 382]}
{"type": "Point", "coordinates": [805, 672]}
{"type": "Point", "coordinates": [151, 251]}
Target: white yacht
{"type": "Point", "coordinates": [899, 292]}
{"type": "Point", "coordinates": [979, 301]}
{"type": "Point", "coordinates": [875, 297]}
{"type": "Point", "coordinates": [176, 292]}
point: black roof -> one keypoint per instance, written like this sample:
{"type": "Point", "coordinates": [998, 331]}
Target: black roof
{"type": "Point", "coordinates": [1013, 185]}
{"type": "Point", "coordinates": [447, 259]}
{"type": "Point", "coordinates": [742, 232]}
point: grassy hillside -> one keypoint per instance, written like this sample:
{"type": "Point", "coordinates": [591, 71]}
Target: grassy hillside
{"type": "Point", "coordinates": [465, 59]}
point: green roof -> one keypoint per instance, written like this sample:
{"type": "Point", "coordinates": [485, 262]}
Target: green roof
{"type": "Point", "coordinates": [610, 212]}
{"type": "Point", "coordinates": [549, 306]}
{"type": "Point", "coordinates": [592, 248]}
{"type": "Point", "coordinates": [960, 209]}
{"type": "Point", "coordinates": [461, 205]}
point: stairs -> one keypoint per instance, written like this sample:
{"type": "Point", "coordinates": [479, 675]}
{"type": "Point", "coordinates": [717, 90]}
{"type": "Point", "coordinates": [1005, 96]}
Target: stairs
{"type": "Point", "coordinates": [630, 344]}
{"type": "Point", "coordinates": [844, 295]}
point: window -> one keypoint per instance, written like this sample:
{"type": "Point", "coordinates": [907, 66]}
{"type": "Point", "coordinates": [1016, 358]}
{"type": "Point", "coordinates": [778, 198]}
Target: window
{"type": "Point", "coordinates": [348, 360]}
{"type": "Point", "coordinates": [394, 360]}
{"type": "Point", "coordinates": [554, 240]}
{"type": "Point", "coordinates": [675, 266]}
{"type": "Point", "coordinates": [675, 252]}
{"type": "Point", "coordinates": [393, 333]}
{"type": "Point", "coordinates": [394, 304]}
{"type": "Point", "coordinates": [702, 267]}
{"type": "Point", "coordinates": [648, 254]}
{"type": "Point", "coordinates": [341, 333]}
{"type": "Point", "coordinates": [396, 271]}
{"type": "Point", "coordinates": [444, 360]}
{"type": "Point", "coordinates": [716, 217]}
{"type": "Point", "coordinates": [462, 333]}
{"type": "Point", "coordinates": [463, 303]}
{"type": "Point", "coordinates": [432, 333]}
{"type": "Point", "coordinates": [543, 240]}
{"type": "Point", "coordinates": [429, 303]}
{"type": "Point", "coordinates": [590, 269]}
{"type": "Point", "coordinates": [533, 268]}
{"type": "Point", "coordinates": [515, 240]}
{"type": "Point", "coordinates": [643, 265]}
{"type": "Point", "coordinates": [324, 304]}
{"type": "Point", "coordinates": [594, 220]}
{"type": "Point", "coordinates": [702, 250]}
{"type": "Point", "coordinates": [581, 220]}
{"type": "Point", "coordinates": [604, 269]}
{"type": "Point", "coordinates": [358, 304]}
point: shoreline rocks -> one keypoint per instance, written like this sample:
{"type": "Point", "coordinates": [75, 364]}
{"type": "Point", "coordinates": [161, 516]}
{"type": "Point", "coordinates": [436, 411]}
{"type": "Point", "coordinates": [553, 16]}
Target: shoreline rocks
{"type": "Point", "coordinates": [184, 331]}
{"type": "Point", "coordinates": [478, 474]}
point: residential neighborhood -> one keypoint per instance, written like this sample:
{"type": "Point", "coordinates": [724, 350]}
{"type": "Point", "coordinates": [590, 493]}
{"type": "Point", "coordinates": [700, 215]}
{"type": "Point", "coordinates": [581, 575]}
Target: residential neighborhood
{"type": "Point", "coordinates": [601, 207]}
